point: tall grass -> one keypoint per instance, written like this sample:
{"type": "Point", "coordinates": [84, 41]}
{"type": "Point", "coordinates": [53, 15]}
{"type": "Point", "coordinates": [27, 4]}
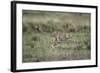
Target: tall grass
{"type": "Point", "coordinates": [38, 27]}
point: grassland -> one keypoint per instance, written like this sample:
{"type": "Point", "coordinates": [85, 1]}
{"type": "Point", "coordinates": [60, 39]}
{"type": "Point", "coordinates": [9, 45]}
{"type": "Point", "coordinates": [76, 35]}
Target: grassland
{"type": "Point", "coordinates": [38, 27]}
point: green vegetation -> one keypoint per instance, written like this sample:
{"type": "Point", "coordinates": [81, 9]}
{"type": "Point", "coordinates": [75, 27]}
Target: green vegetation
{"type": "Point", "coordinates": [37, 38]}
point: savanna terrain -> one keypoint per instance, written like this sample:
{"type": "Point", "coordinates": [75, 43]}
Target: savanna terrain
{"type": "Point", "coordinates": [37, 38]}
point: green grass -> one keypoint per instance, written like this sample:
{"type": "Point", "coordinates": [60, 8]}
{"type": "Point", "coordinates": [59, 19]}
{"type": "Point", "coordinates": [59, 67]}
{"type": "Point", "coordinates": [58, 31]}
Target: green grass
{"type": "Point", "coordinates": [37, 43]}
